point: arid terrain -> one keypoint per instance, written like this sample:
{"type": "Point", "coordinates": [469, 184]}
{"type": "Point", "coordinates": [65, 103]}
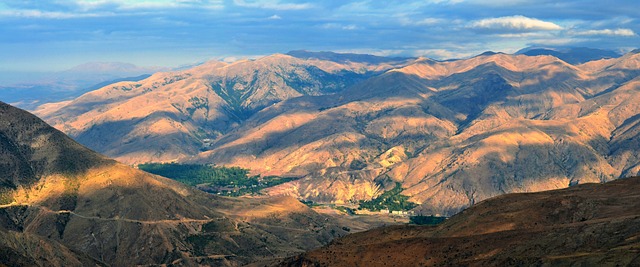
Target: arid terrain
{"type": "Point", "coordinates": [453, 133]}
{"type": "Point", "coordinates": [65, 205]}
{"type": "Point", "coordinates": [392, 133]}
{"type": "Point", "coordinates": [585, 225]}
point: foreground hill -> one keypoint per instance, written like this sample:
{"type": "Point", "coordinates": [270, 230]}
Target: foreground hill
{"type": "Point", "coordinates": [585, 225]}
{"type": "Point", "coordinates": [452, 133]}
{"type": "Point", "coordinates": [65, 205]}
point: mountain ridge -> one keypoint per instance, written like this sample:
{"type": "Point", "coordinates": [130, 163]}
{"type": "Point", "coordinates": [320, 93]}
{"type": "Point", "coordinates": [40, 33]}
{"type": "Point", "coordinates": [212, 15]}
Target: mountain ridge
{"type": "Point", "coordinates": [444, 129]}
{"type": "Point", "coordinates": [572, 55]}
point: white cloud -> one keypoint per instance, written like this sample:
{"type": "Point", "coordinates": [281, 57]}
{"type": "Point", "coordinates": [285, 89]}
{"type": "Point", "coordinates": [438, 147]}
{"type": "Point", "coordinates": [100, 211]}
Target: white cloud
{"type": "Point", "coordinates": [349, 27]}
{"type": "Point", "coordinates": [271, 4]}
{"type": "Point", "coordinates": [147, 4]}
{"type": "Point", "coordinates": [524, 35]}
{"type": "Point", "coordinates": [445, 1]}
{"type": "Point", "coordinates": [234, 58]}
{"type": "Point", "coordinates": [514, 23]}
{"type": "Point", "coordinates": [610, 32]}
{"type": "Point", "coordinates": [93, 8]}
{"type": "Point", "coordinates": [502, 3]}
{"type": "Point", "coordinates": [274, 17]}
{"type": "Point", "coordinates": [405, 21]}
{"type": "Point", "coordinates": [429, 21]}
{"type": "Point", "coordinates": [32, 13]}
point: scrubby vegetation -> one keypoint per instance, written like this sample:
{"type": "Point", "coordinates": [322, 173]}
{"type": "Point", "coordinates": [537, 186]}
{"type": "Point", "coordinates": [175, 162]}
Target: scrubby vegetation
{"type": "Point", "coordinates": [5, 196]}
{"type": "Point", "coordinates": [231, 181]}
{"type": "Point", "coordinates": [426, 220]}
{"type": "Point", "coordinates": [346, 210]}
{"type": "Point", "coordinates": [391, 200]}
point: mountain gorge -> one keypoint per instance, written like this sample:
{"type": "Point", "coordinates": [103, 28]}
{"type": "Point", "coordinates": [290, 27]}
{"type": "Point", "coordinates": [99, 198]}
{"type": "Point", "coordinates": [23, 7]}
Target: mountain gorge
{"type": "Point", "coordinates": [65, 205]}
{"type": "Point", "coordinates": [452, 133]}
{"type": "Point", "coordinates": [175, 114]}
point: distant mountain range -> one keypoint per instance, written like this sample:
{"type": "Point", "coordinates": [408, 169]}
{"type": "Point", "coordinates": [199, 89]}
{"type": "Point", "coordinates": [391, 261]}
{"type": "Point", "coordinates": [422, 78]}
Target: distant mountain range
{"type": "Point", "coordinates": [453, 133]}
{"type": "Point", "coordinates": [71, 83]}
{"type": "Point", "coordinates": [571, 55]}
{"type": "Point", "coordinates": [344, 57]}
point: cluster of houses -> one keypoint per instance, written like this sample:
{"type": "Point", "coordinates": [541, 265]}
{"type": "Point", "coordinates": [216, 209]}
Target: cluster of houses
{"type": "Point", "coordinates": [386, 211]}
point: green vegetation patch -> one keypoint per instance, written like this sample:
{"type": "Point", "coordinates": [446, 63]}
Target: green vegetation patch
{"type": "Point", "coordinates": [6, 196]}
{"type": "Point", "coordinates": [391, 200]}
{"type": "Point", "coordinates": [230, 181]}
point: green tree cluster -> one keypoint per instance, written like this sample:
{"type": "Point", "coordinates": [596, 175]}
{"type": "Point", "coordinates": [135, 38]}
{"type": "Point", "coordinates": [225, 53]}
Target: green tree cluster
{"type": "Point", "coordinates": [214, 177]}
{"type": "Point", "coordinates": [390, 200]}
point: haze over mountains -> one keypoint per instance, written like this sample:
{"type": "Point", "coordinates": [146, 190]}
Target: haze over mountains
{"type": "Point", "coordinates": [453, 132]}
{"type": "Point", "coordinates": [71, 83]}
{"type": "Point", "coordinates": [571, 55]}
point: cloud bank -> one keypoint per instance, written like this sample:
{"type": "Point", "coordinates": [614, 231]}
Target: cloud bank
{"type": "Point", "coordinates": [56, 34]}
{"type": "Point", "coordinates": [515, 23]}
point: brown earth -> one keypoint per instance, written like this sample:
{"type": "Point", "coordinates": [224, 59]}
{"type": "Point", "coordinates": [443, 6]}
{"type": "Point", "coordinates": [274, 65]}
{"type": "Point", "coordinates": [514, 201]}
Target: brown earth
{"type": "Point", "coordinates": [65, 205]}
{"type": "Point", "coordinates": [585, 225]}
{"type": "Point", "coordinates": [453, 133]}
{"type": "Point", "coordinates": [174, 114]}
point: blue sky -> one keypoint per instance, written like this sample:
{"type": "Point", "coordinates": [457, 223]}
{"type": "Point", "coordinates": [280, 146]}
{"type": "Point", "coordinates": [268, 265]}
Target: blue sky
{"type": "Point", "coordinates": [52, 35]}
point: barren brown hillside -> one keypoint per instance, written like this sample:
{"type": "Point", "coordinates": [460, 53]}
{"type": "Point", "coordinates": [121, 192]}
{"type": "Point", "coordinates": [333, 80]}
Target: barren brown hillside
{"type": "Point", "coordinates": [175, 114]}
{"type": "Point", "coordinates": [585, 225]}
{"type": "Point", "coordinates": [65, 205]}
{"type": "Point", "coordinates": [453, 133]}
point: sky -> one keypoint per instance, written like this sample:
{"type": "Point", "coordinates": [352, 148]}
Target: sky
{"type": "Point", "coordinates": [53, 35]}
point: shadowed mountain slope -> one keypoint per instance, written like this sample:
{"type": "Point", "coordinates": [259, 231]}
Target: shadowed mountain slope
{"type": "Point", "coordinates": [585, 225]}
{"type": "Point", "coordinates": [64, 205]}
{"type": "Point", "coordinates": [175, 114]}
{"type": "Point", "coordinates": [452, 133]}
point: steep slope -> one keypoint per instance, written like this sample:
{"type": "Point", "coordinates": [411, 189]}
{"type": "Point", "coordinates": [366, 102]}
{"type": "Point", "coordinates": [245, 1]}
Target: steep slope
{"type": "Point", "coordinates": [590, 224]}
{"type": "Point", "coordinates": [65, 205]}
{"type": "Point", "coordinates": [453, 133]}
{"type": "Point", "coordinates": [176, 114]}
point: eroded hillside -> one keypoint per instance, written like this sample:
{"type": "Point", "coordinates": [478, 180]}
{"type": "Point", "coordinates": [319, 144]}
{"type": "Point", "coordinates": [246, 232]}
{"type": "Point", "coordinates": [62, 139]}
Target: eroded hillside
{"type": "Point", "coordinates": [590, 224]}
{"type": "Point", "coordinates": [453, 133]}
{"type": "Point", "coordinates": [65, 205]}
